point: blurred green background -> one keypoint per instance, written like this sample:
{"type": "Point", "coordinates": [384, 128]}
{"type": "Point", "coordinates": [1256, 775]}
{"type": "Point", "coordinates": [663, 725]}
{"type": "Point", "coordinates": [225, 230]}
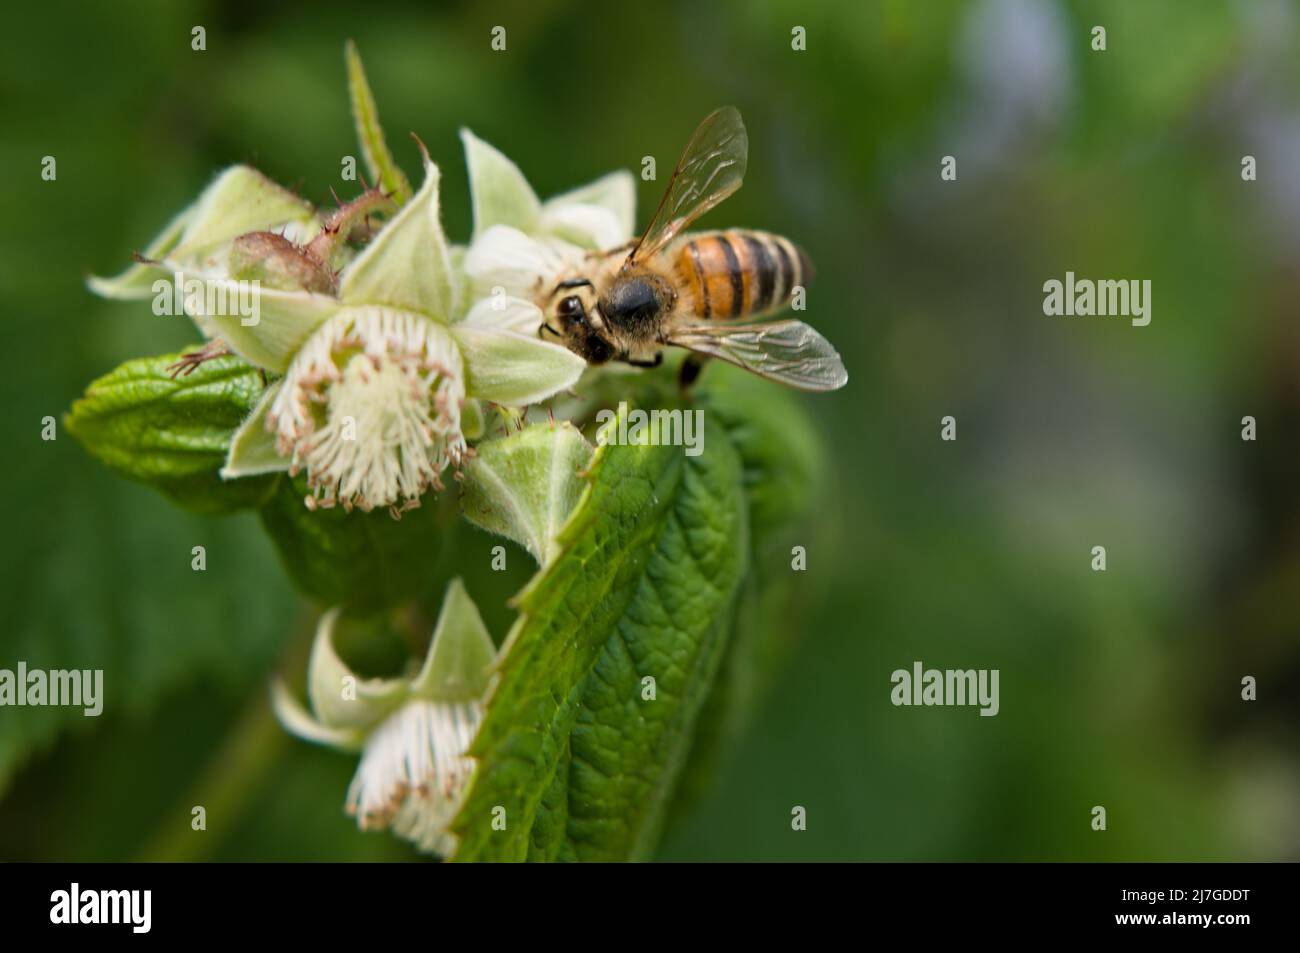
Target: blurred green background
{"type": "Point", "coordinates": [1119, 689]}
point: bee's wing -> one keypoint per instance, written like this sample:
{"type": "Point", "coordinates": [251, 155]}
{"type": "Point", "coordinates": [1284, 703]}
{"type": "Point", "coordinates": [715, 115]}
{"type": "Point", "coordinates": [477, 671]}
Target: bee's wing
{"type": "Point", "coordinates": [789, 352]}
{"type": "Point", "coordinates": [711, 167]}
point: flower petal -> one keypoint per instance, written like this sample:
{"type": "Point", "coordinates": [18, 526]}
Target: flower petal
{"type": "Point", "coordinates": [514, 369]}
{"type": "Point", "coordinates": [614, 193]}
{"type": "Point", "coordinates": [504, 313]}
{"type": "Point", "coordinates": [339, 697]}
{"type": "Point", "coordinates": [252, 448]}
{"type": "Point", "coordinates": [499, 193]}
{"type": "Point", "coordinates": [504, 257]}
{"type": "Point", "coordinates": [587, 226]}
{"type": "Point", "coordinates": [457, 666]}
{"type": "Point", "coordinates": [406, 265]}
{"type": "Point", "coordinates": [460, 281]}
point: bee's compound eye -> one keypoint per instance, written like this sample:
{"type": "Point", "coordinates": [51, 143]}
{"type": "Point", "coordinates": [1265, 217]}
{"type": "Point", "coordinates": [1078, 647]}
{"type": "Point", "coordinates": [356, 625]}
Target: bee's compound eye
{"type": "Point", "coordinates": [570, 307]}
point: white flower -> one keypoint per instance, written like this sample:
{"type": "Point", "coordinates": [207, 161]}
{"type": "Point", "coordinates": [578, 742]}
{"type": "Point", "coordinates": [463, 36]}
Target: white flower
{"type": "Point", "coordinates": [376, 379]}
{"type": "Point", "coordinates": [377, 376]}
{"type": "Point", "coordinates": [413, 734]}
{"type": "Point", "coordinates": [521, 244]}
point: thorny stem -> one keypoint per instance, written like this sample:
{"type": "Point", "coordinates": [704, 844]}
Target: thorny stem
{"type": "Point", "coordinates": [350, 219]}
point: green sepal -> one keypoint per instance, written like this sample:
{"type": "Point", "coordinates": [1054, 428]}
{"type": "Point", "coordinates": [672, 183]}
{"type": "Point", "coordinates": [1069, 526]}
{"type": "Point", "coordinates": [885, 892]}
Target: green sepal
{"type": "Point", "coordinates": [525, 485]}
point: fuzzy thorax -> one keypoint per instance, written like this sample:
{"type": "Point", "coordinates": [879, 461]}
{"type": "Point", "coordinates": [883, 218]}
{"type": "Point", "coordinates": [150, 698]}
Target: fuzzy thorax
{"type": "Point", "coordinates": [370, 409]}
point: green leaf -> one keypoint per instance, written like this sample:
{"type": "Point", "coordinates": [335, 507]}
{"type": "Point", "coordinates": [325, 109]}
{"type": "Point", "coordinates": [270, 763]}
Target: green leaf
{"type": "Point", "coordinates": [374, 148]}
{"type": "Point", "coordinates": [644, 585]}
{"type": "Point", "coordinates": [366, 562]}
{"type": "Point", "coordinates": [524, 486]}
{"type": "Point", "coordinates": [173, 434]}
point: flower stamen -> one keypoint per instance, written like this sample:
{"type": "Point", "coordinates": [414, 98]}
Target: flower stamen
{"type": "Point", "coordinates": [413, 771]}
{"type": "Point", "coordinates": [370, 409]}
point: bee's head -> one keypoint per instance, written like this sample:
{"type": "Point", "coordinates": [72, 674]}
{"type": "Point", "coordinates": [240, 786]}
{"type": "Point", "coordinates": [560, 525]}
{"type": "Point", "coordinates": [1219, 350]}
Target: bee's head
{"type": "Point", "coordinates": [574, 305]}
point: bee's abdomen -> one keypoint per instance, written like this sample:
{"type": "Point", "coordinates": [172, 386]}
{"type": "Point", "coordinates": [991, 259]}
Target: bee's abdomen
{"type": "Point", "coordinates": [740, 273]}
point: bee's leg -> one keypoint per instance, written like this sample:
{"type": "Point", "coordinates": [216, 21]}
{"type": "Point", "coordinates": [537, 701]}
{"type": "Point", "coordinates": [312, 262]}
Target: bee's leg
{"type": "Point", "coordinates": [659, 359]}
{"type": "Point", "coordinates": [690, 371]}
{"type": "Point", "coordinates": [192, 359]}
{"type": "Point", "coordinates": [547, 327]}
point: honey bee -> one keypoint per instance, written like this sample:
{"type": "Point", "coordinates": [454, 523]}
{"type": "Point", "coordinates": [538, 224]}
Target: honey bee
{"type": "Point", "coordinates": [687, 290]}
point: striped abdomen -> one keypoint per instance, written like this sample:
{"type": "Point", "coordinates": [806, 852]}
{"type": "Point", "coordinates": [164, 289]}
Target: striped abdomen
{"type": "Point", "coordinates": [738, 273]}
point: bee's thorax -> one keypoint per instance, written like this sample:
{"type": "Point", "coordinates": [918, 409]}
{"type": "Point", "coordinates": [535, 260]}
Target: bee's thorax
{"type": "Point", "coordinates": [634, 305]}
